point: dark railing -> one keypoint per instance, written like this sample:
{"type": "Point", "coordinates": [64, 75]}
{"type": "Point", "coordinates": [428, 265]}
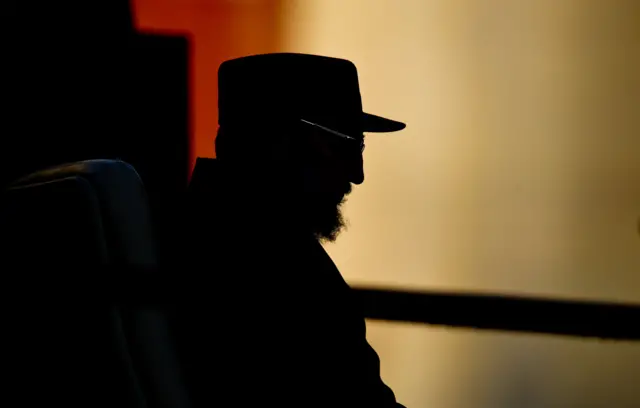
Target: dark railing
{"type": "Point", "coordinates": [497, 312]}
{"type": "Point", "coordinates": [611, 321]}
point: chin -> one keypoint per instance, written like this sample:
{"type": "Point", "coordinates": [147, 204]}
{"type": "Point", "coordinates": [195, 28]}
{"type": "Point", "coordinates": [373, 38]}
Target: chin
{"type": "Point", "coordinates": [324, 213]}
{"type": "Point", "coordinates": [329, 225]}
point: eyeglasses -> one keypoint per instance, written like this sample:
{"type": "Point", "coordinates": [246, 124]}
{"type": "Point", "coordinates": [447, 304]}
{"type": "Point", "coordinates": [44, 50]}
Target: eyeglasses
{"type": "Point", "coordinates": [335, 133]}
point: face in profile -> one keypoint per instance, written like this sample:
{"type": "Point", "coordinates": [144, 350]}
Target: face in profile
{"type": "Point", "coordinates": [334, 165]}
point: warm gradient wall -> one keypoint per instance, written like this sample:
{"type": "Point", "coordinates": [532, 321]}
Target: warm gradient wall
{"type": "Point", "coordinates": [519, 172]}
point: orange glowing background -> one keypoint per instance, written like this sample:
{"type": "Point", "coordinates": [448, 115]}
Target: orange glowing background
{"type": "Point", "coordinates": [218, 30]}
{"type": "Point", "coordinates": [519, 172]}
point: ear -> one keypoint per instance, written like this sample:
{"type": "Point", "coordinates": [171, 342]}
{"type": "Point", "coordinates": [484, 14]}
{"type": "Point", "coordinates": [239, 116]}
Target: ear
{"type": "Point", "coordinates": [287, 145]}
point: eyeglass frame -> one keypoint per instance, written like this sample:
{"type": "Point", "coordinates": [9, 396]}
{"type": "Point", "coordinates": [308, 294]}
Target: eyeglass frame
{"type": "Point", "coordinates": [336, 133]}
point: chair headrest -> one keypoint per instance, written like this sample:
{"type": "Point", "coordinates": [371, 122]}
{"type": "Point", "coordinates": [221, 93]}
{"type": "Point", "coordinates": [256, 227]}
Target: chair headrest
{"type": "Point", "coordinates": [121, 200]}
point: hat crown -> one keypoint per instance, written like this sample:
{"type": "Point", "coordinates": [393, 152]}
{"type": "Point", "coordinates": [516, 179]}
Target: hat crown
{"type": "Point", "coordinates": [288, 86]}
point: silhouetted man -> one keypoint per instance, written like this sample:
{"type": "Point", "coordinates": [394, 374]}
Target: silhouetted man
{"type": "Point", "coordinates": [273, 322]}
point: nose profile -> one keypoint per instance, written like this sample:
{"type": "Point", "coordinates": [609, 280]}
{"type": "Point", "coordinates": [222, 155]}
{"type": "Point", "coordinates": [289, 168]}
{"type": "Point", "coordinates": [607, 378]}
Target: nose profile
{"type": "Point", "coordinates": [357, 178]}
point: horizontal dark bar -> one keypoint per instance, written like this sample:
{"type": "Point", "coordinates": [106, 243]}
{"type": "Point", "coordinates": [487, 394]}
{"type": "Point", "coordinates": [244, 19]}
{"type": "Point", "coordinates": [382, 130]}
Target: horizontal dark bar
{"type": "Point", "coordinates": [505, 313]}
{"type": "Point", "coordinates": [156, 288]}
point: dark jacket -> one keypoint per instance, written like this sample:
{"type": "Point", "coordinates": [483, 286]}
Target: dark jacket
{"type": "Point", "coordinates": [271, 321]}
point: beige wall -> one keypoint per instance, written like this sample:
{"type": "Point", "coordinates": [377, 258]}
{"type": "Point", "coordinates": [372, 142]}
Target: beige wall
{"type": "Point", "coordinates": [519, 171]}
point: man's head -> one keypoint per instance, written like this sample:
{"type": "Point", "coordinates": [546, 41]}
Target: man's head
{"type": "Point", "coordinates": [307, 172]}
{"type": "Point", "coordinates": [297, 121]}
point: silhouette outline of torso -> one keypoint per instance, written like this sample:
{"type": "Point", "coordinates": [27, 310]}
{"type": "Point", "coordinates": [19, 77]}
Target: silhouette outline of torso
{"type": "Point", "coordinates": [270, 319]}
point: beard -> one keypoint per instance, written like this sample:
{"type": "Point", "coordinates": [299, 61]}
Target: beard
{"type": "Point", "coordinates": [325, 217]}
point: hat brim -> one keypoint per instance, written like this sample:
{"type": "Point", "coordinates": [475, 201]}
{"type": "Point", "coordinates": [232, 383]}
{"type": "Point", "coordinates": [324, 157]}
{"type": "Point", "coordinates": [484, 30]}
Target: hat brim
{"type": "Point", "coordinates": [377, 124]}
